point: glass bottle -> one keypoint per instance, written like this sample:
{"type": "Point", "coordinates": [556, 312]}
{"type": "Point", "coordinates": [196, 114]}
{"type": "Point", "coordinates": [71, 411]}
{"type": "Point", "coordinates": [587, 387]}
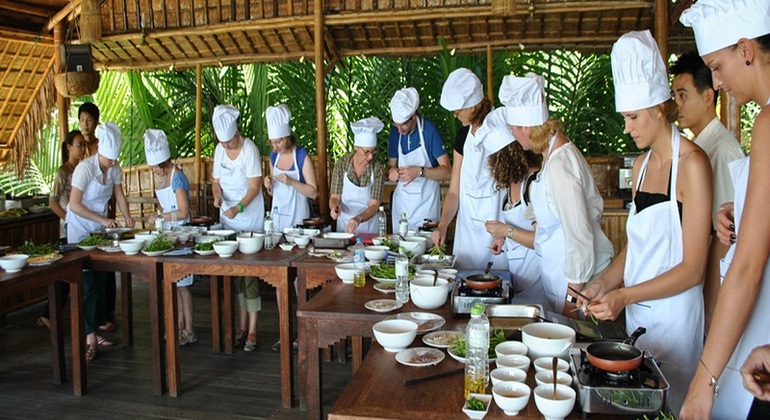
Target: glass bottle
{"type": "Point", "coordinates": [159, 221]}
{"type": "Point", "coordinates": [382, 222]}
{"type": "Point", "coordinates": [402, 277]}
{"type": "Point", "coordinates": [403, 225]}
{"type": "Point", "coordinates": [269, 231]}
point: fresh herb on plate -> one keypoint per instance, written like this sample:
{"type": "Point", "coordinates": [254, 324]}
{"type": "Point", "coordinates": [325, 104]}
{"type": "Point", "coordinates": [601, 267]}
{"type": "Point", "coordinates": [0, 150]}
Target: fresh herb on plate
{"type": "Point", "coordinates": [205, 246]}
{"type": "Point", "coordinates": [93, 240]}
{"type": "Point", "coordinates": [29, 248]}
{"type": "Point", "coordinates": [476, 404]}
{"type": "Point", "coordinates": [159, 244]}
{"type": "Point", "coordinates": [387, 271]}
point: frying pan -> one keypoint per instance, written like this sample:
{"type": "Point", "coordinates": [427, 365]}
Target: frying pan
{"type": "Point", "coordinates": [614, 356]}
{"type": "Point", "coordinates": [313, 221]}
{"type": "Point", "coordinates": [483, 281]}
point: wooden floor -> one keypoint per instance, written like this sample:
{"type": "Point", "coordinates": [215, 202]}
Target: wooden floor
{"type": "Point", "coordinates": [214, 385]}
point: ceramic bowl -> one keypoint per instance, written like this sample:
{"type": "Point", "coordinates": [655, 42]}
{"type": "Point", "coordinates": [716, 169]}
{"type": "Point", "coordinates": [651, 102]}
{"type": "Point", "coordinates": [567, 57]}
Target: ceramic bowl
{"type": "Point", "coordinates": [345, 272]}
{"type": "Point", "coordinates": [202, 239]}
{"type": "Point", "coordinates": [511, 347]}
{"type": "Point", "coordinates": [554, 408]}
{"type": "Point", "coordinates": [377, 240]}
{"type": "Point", "coordinates": [545, 339]}
{"type": "Point", "coordinates": [546, 377]}
{"type": "Point", "coordinates": [476, 414]}
{"type": "Point", "coordinates": [395, 335]}
{"type": "Point", "coordinates": [224, 233]}
{"type": "Point", "coordinates": [131, 246]}
{"type": "Point", "coordinates": [250, 242]}
{"type": "Point", "coordinates": [286, 246]}
{"type": "Point", "coordinates": [13, 263]}
{"type": "Point", "coordinates": [448, 273]}
{"type": "Point", "coordinates": [376, 253]}
{"type": "Point", "coordinates": [513, 360]}
{"type": "Point", "coordinates": [546, 363]}
{"type": "Point", "coordinates": [225, 248]}
{"type": "Point", "coordinates": [146, 236]}
{"type": "Point", "coordinates": [511, 397]}
{"type": "Point", "coordinates": [416, 245]}
{"type": "Point", "coordinates": [311, 232]}
{"type": "Point", "coordinates": [427, 296]}
{"type": "Point", "coordinates": [507, 375]}
{"type": "Point", "coordinates": [302, 240]}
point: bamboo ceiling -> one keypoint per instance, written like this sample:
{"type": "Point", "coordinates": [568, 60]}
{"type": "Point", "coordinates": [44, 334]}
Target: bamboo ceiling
{"type": "Point", "coordinates": [157, 34]}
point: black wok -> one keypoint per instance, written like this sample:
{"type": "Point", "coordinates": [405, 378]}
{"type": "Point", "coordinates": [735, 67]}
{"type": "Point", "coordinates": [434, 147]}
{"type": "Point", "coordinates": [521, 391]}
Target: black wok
{"type": "Point", "coordinates": [616, 356]}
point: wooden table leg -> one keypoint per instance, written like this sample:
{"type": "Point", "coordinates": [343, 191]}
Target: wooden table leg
{"type": "Point", "coordinates": [78, 336]}
{"type": "Point", "coordinates": [156, 328]}
{"type": "Point", "coordinates": [127, 309]}
{"type": "Point", "coordinates": [59, 365]}
{"type": "Point", "coordinates": [172, 344]}
{"type": "Point", "coordinates": [301, 286]}
{"type": "Point", "coordinates": [227, 308]}
{"type": "Point", "coordinates": [309, 368]}
{"type": "Point", "coordinates": [285, 337]}
{"type": "Point", "coordinates": [358, 352]}
{"type": "Point", "coordinates": [216, 326]}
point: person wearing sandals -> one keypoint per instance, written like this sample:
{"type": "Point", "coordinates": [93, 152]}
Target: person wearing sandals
{"type": "Point", "coordinates": [237, 190]}
{"type": "Point", "coordinates": [94, 182]}
{"type": "Point", "coordinates": [72, 152]}
{"type": "Point", "coordinates": [174, 199]}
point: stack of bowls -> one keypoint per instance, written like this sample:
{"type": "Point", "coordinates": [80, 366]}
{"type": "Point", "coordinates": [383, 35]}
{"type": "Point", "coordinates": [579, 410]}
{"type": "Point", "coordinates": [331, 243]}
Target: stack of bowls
{"type": "Point", "coordinates": [250, 242]}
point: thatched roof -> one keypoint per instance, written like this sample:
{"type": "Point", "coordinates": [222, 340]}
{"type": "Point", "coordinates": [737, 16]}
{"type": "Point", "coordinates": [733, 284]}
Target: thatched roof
{"type": "Point", "coordinates": [140, 34]}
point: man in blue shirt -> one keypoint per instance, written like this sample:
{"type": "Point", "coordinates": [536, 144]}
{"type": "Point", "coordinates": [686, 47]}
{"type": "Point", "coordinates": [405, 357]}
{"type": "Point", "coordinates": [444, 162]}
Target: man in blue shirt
{"type": "Point", "coordinates": [417, 160]}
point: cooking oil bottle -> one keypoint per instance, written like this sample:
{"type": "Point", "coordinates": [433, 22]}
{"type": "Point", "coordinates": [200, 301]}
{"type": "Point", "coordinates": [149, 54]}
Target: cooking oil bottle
{"type": "Point", "coordinates": [476, 351]}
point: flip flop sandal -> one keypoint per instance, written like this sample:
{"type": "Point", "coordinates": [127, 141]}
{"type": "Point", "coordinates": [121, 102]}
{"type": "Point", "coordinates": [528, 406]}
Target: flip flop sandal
{"type": "Point", "coordinates": [103, 342]}
{"type": "Point", "coordinates": [91, 352]}
{"type": "Point", "coordinates": [44, 322]}
{"type": "Point", "coordinates": [108, 327]}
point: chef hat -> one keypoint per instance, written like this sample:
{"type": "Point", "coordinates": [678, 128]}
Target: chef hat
{"type": "Point", "coordinates": [225, 122]}
{"type": "Point", "coordinates": [110, 140]}
{"type": "Point", "coordinates": [524, 100]}
{"type": "Point", "coordinates": [404, 104]}
{"type": "Point", "coordinates": [721, 23]}
{"type": "Point", "coordinates": [495, 131]}
{"type": "Point", "coordinates": [638, 72]}
{"type": "Point", "coordinates": [156, 147]}
{"type": "Point", "coordinates": [278, 118]}
{"type": "Point", "coordinates": [462, 89]}
{"type": "Point", "coordinates": [365, 131]}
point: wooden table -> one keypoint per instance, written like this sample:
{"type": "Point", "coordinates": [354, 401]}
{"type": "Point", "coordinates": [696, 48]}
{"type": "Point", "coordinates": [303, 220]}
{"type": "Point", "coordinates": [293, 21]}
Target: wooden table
{"type": "Point", "coordinates": [70, 270]}
{"type": "Point", "coordinates": [272, 267]}
{"type": "Point", "coordinates": [312, 272]}
{"type": "Point", "coordinates": [150, 270]}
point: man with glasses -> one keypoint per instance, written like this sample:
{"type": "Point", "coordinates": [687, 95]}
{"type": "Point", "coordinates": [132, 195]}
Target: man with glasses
{"type": "Point", "coordinates": [358, 181]}
{"type": "Point", "coordinates": [417, 160]}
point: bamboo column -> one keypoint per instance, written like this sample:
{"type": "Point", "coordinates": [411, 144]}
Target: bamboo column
{"type": "Point", "coordinates": [661, 28]}
{"type": "Point", "coordinates": [62, 103]}
{"type": "Point", "coordinates": [198, 116]}
{"type": "Point", "coordinates": [490, 76]}
{"type": "Point", "coordinates": [320, 107]}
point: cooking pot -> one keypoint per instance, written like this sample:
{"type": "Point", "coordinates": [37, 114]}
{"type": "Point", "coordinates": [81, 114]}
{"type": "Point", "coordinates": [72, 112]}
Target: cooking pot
{"type": "Point", "coordinates": [616, 356]}
{"type": "Point", "coordinates": [484, 280]}
{"type": "Point", "coordinates": [313, 221]}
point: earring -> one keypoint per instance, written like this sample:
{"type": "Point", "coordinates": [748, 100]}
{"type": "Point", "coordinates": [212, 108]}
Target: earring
{"type": "Point", "coordinates": [748, 63]}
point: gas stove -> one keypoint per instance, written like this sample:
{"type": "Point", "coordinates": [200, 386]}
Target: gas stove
{"type": "Point", "coordinates": [463, 296]}
{"type": "Point", "coordinates": [636, 392]}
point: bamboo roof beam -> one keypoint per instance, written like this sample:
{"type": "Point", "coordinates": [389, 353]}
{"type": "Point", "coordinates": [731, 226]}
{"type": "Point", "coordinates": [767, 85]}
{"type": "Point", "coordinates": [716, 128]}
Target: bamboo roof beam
{"type": "Point", "coordinates": [72, 7]}
{"type": "Point", "coordinates": [62, 103]}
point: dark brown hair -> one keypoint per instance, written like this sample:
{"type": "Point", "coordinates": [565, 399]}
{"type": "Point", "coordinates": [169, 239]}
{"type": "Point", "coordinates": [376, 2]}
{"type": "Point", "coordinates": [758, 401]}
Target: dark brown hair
{"type": "Point", "coordinates": [481, 110]}
{"type": "Point", "coordinates": [511, 164]}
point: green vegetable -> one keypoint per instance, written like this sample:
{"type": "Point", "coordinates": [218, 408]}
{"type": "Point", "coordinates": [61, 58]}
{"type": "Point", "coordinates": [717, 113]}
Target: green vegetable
{"type": "Point", "coordinates": [29, 248]}
{"type": "Point", "coordinates": [661, 416]}
{"type": "Point", "coordinates": [476, 404]}
{"type": "Point", "coordinates": [388, 271]}
{"type": "Point", "coordinates": [205, 246]}
{"type": "Point", "coordinates": [159, 244]}
{"type": "Point", "coordinates": [390, 244]}
{"type": "Point", "coordinates": [92, 240]}
{"type": "Point", "coordinates": [496, 336]}
{"type": "Point", "coordinates": [440, 251]}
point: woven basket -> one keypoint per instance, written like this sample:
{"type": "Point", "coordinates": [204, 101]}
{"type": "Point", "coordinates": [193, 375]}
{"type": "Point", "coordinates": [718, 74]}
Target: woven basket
{"type": "Point", "coordinates": [74, 84]}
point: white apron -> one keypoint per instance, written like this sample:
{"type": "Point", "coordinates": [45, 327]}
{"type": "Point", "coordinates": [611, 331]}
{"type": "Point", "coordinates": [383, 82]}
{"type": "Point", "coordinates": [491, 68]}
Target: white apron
{"type": "Point", "coordinates": [733, 400]}
{"type": "Point", "coordinates": [293, 207]}
{"type": "Point", "coordinates": [95, 198]}
{"type": "Point", "coordinates": [167, 201]}
{"type": "Point", "coordinates": [674, 324]}
{"type": "Point", "coordinates": [355, 199]}
{"type": "Point", "coordinates": [234, 186]}
{"type": "Point", "coordinates": [479, 200]}
{"type": "Point", "coordinates": [522, 261]}
{"type": "Point", "coordinates": [421, 198]}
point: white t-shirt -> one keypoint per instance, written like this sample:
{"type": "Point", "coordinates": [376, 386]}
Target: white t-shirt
{"type": "Point", "coordinates": [88, 170]}
{"type": "Point", "coordinates": [249, 158]}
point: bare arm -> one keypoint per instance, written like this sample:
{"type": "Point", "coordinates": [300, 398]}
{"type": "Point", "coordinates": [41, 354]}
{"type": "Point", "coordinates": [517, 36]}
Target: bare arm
{"type": "Point", "coordinates": [122, 202]}
{"type": "Point", "coordinates": [451, 202]}
{"type": "Point", "coordinates": [58, 210]}
{"type": "Point", "coordinates": [216, 191]}
{"type": "Point", "coordinates": [368, 213]}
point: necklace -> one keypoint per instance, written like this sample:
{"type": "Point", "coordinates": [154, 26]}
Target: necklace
{"type": "Point", "coordinates": [509, 205]}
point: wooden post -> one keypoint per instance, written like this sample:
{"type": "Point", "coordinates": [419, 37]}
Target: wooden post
{"type": "Point", "coordinates": [62, 102]}
{"type": "Point", "coordinates": [661, 28]}
{"type": "Point", "coordinates": [490, 76]}
{"type": "Point", "coordinates": [198, 116]}
{"type": "Point", "coordinates": [320, 108]}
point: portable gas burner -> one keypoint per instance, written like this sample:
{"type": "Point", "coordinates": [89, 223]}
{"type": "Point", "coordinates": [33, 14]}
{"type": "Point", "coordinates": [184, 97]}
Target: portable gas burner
{"type": "Point", "coordinates": [636, 392]}
{"type": "Point", "coordinates": [464, 296]}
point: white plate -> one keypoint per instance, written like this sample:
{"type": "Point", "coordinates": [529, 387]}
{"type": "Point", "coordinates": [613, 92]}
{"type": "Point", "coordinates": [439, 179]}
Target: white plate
{"type": "Point", "coordinates": [204, 253]}
{"type": "Point", "coordinates": [462, 359]}
{"type": "Point", "coordinates": [338, 235]}
{"type": "Point", "coordinates": [87, 247]}
{"type": "Point", "coordinates": [420, 356]}
{"type": "Point", "coordinates": [155, 253]}
{"type": "Point", "coordinates": [441, 339]}
{"type": "Point", "coordinates": [56, 257]}
{"type": "Point", "coordinates": [385, 287]}
{"type": "Point", "coordinates": [426, 321]}
{"type": "Point", "coordinates": [225, 232]}
{"type": "Point", "coordinates": [382, 279]}
{"type": "Point", "coordinates": [382, 305]}
{"type": "Point", "coordinates": [109, 248]}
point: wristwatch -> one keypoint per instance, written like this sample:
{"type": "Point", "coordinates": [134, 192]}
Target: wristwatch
{"type": "Point", "coordinates": [510, 233]}
{"type": "Point", "coordinates": [570, 298]}
{"type": "Point", "coordinates": [422, 172]}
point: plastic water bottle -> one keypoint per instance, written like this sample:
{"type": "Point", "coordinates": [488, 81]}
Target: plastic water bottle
{"type": "Point", "coordinates": [359, 264]}
{"type": "Point", "coordinates": [382, 222]}
{"type": "Point", "coordinates": [276, 219]}
{"type": "Point", "coordinates": [269, 232]}
{"type": "Point", "coordinates": [159, 221]}
{"type": "Point", "coordinates": [403, 225]}
{"type": "Point", "coordinates": [476, 351]}
{"type": "Point", "coordinates": [402, 277]}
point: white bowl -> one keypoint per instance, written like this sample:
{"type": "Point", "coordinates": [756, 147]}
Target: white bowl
{"type": "Point", "coordinates": [250, 242]}
{"type": "Point", "coordinates": [286, 246]}
{"type": "Point", "coordinates": [377, 240]}
{"type": "Point", "coordinates": [183, 236]}
{"type": "Point", "coordinates": [514, 361]}
{"type": "Point", "coordinates": [546, 364]}
{"type": "Point", "coordinates": [345, 272]}
{"type": "Point", "coordinates": [448, 273]}
{"type": "Point", "coordinates": [146, 236]}
{"type": "Point", "coordinates": [202, 239]}
{"type": "Point", "coordinates": [546, 377]}
{"type": "Point", "coordinates": [511, 347]}
{"type": "Point", "coordinates": [226, 233]}
{"type": "Point", "coordinates": [395, 335]}
{"type": "Point", "coordinates": [171, 237]}
{"type": "Point", "coordinates": [290, 237]}
{"type": "Point", "coordinates": [225, 248]}
{"type": "Point", "coordinates": [476, 414]}
{"type": "Point", "coordinates": [376, 253]}
{"type": "Point", "coordinates": [415, 246]}
{"type": "Point", "coordinates": [427, 296]}
{"type": "Point", "coordinates": [311, 232]}
{"type": "Point", "coordinates": [302, 240]}
{"type": "Point", "coordinates": [545, 339]}
{"type": "Point", "coordinates": [131, 246]}
{"type": "Point", "coordinates": [339, 235]}
{"type": "Point", "coordinates": [507, 375]}
{"type": "Point", "coordinates": [511, 397]}
{"type": "Point", "coordinates": [554, 409]}
{"type": "Point", "coordinates": [13, 263]}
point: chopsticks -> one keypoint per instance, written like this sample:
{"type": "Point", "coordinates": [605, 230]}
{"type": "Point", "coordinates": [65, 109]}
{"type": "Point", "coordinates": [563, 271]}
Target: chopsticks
{"type": "Point", "coordinates": [432, 377]}
{"type": "Point", "coordinates": [591, 302]}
